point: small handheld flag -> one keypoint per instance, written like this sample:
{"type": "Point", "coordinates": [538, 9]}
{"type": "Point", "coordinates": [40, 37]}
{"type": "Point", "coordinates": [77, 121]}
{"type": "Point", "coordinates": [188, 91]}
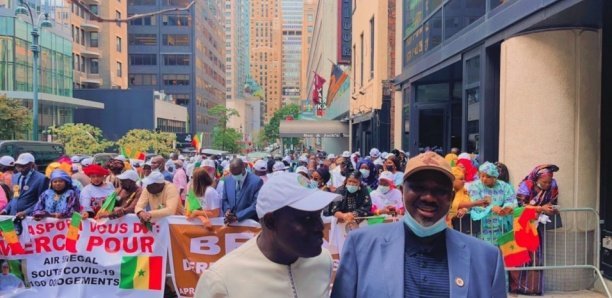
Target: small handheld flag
{"type": "Point", "coordinates": [73, 232]}
{"type": "Point", "coordinates": [109, 205]}
{"type": "Point", "coordinates": [10, 236]}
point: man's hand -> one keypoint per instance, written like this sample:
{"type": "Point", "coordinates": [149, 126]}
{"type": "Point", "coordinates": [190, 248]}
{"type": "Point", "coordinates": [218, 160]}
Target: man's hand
{"type": "Point", "coordinates": [144, 216]}
{"type": "Point", "coordinates": [461, 212]}
{"type": "Point", "coordinates": [548, 209]}
{"type": "Point", "coordinates": [348, 217]}
{"type": "Point", "coordinates": [20, 215]}
{"type": "Point", "coordinates": [230, 218]}
{"type": "Point", "coordinates": [85, 214]}
{"type": "Point", "coordinates": [497, 210]}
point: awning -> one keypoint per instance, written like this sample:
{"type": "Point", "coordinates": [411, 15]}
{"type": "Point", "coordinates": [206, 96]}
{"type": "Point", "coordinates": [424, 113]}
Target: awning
{"type": "Point", "coordinates": [213, 152]}
{"type": "Point", "coordinates": [313, 128]}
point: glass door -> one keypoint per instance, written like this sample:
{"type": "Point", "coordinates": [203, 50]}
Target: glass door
{"type": "Point", "coordinates": [433, 132]}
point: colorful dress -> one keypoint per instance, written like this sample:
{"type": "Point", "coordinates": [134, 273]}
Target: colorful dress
{"type": "Point", "coordinates": [492, 225]}
{"type": "Point", "coordinates": [51, 202]}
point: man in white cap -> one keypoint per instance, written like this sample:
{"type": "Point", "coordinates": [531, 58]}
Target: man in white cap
{"type": "Point", "coordinates": [261, 170]}
{"type": "Point", "coordinates": [128, 194]}
{"type": "Point", "coordinates": [78, 175]}
{"type": "Point", "coordinates": [28, 184]}
{"type": "Point", "coordinates": [286, 259]}
{"type": "Point", "coordinates": [159, 198]}
{"type": "Point", "coordinates": [116, 166]}
{"type": "Point", "coordinates": [7, 168]}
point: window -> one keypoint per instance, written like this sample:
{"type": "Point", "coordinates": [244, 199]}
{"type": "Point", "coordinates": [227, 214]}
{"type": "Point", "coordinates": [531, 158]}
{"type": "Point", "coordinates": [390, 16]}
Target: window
{"type": "Point", "coordinates": [143, 80]}
{"type": "Point", "coordinates": [181, 98]}
{"type": "Point", "coordinates": [458, 14]}
{"type": "Point", "coordinates": [93, 39]}
{"type": "Point", "coordinates": [142, 39]}
{"type": "Point", "coordinates": [94, 8]}
{"type": "Point", "coordinates": [82, 37]}
{"type": "Point", "coordinates": [177, 59]}
{"type": "Point", "coordinates": [118, 42]}
{"type": "Point", "coordinates": [372, 48]}
{"type": "Point", "coordinates": [175, 79]}
{"type": "Point", "coordinates": [143, 59]}
{"type": "Point", "coordinates": [118, 17]}
{"type": "Point", "coordinates": [175, 40]}
{"type": "Point", "coordinates": [176, 20]}
{"type": "Point", "coordinates": [141, 2]}
{"type": "Point", "coordinates": [361, 60]}
{"type": "Point", "coordinates": [145, 21]}
{"type": "Point", "coordinates": [181, 3]}
{"type": "Point", "coordinates": [94, 66]}
{"type": "Point", "coordinates": [310, 18]}
{"type": "Point", "coordinates": [119, 69]}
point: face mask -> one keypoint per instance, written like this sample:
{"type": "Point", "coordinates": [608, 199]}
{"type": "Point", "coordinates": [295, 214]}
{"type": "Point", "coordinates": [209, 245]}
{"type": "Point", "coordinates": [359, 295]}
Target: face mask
{"type": "Point", "coordinates": [389, 168]}
{"type": "Point", "coordinates": [352, 188]}
{"type": "Point", "coordinates": [365, 173]}
{"type": "Point", "coordinates": [384, 189]}
{"type": "Point", "coordinates": [238, 178]}
{"type": "Point", "coordinates": [314, 184]}
{"type": "Point", "coordinates": [422, 231]}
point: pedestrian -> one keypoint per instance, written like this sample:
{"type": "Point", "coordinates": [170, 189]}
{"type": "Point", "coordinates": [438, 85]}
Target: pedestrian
{"type": "Point", "coordinates": [464, 161]}
{"type": "Point", "coordinates": [128, 195]}
{"type": "Point", "coordinates": [420, 256]}
{"type": "Point", "coordinates": [369, 175]}
{"type": "Point", "coordinates": [321, 177]}
{"type": "Point", "coordinates": [202, 187]}
{"type": "Point", "coordinates": [159, 198]}
{"type": "Point", "coordinates": [8, 280]}
{"type": "Point", "coordinates": [157, 164]}
{"type": "Point", "coordinates": [180, 179]}
{"type": "Point", "coordinates": [387, 199]}
{"type": "Point", "coordinates": [116, 166]}
{"type": "Point", "coordinates": [392, 164]}
{"type": "Point", "coordinates": [355, 203]}
{"type": "Point", "coordinates": [28, 185]}
{"type": "Point", "coordinates": [7, 169]}
{"type": "Point", "coordinates": [462, 203]}
{"type": "Point", "coordinates": [260, 169]}
{"type": "Point", "coordinates": [452, 157]}
{"type": "Point", "coordinates": [60, 200]}
{"type": "Point", "coordinates": [284, 260]}
{"type": "Point", "coordinates": [77, 170]}
{"type": "Point", "coordinates": [240, 193]}
{"type": "Point", "coordinates": [94, 194]}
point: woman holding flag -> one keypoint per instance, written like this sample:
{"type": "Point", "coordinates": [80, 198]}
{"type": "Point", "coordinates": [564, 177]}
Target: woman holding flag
{"type": "Point", "coordinates": [60, 200]}
{"type": "Point", "coordinates": [202, 199]}
{"type": "Point", "coordinates": [94, 194]}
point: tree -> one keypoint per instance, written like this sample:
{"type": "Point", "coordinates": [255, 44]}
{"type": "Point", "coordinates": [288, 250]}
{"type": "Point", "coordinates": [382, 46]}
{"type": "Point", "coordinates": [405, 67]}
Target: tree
{"type": "Point", "coordinates": [271, 129]}
{"type": "Point", "coordinates": [15, 119]}
{"type": "Point", "coordinates": [224, 138]}
{"type": "Point", "coordinates": [80, 138]}
{"type": "Point", "coordinates": [148, 141]}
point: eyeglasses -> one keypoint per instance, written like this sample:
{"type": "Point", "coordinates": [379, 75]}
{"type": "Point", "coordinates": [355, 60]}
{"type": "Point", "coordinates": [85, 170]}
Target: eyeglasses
{"type": "Point", "coordinates": [421, 189]}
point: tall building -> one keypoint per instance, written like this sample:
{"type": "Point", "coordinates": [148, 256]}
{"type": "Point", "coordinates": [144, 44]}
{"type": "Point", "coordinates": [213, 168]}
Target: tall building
{"type": "Point", "coordinates": [182, 54]}
{"type": "Point", "coordinates": [266, 53]}
{"type": "Point", "coordinates": [56, 102]}
{"type": "Point", "coordinates": [99, 49]}
{"type": "Point", "coordinates": [293, 13]}
{"type": "Point", "coordinates": [308, 22]}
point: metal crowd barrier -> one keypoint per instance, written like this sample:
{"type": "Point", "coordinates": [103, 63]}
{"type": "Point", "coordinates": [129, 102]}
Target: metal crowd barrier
{"type": "Point", "coordinates": [571, 244]}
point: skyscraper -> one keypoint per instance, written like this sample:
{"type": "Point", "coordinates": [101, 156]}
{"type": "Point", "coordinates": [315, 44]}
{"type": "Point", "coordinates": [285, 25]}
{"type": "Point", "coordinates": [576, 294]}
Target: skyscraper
{"type": "Point", "coordinates": [182, 53]}
{"type": "Point", "coordinates": [266, 52]}
{"type": "Point", "coordinates": [293, 13]}
{"type": "Point", "coordinates": [308, 21]}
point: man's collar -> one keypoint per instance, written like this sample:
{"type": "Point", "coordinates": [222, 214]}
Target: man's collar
{"type": "Point", "coordinates": [436, 244]}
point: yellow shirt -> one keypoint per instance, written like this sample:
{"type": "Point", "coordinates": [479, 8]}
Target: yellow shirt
{"type": "Point", "coordinates": [160, 205]}
{"type": "Point", "coordinates": [461, 196]}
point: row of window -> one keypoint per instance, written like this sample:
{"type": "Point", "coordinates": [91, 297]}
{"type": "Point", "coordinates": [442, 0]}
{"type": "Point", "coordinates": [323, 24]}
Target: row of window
{"type": "Point", "coordinates": [151, 39]}
{"type": "Point", "coordinates": [181, 3]}
{"type": "Point", "coordinates": [167, 20]}
{"type": "Point", "coordinates": [169, 59]}
{"type": "Point", "coordinates": [145, 79]}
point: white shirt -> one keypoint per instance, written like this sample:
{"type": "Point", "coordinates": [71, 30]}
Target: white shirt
{"type": "Point", "coordinates": [9, 282]}
{"type": "Point", "coordinates": [211, 199]}
{"type": "Point", "coordinates": [399, 179]}
{"type": "Point", "coordinates": [337, 179]}
{"type": "Point", "coordinates": [92, 197]}
{"type": "Point", "coordinates": [246, 272]}
{"type": "Point", "coordinates": [391, 198]}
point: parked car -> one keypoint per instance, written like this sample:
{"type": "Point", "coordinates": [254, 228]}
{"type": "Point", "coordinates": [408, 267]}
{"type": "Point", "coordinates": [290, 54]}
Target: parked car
{"type": "Point", "coordinates": [44, 152]}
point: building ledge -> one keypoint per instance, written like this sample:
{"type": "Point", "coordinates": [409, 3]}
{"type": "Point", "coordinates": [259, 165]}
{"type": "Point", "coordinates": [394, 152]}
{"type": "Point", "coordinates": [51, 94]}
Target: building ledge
{"type": "Point", "coordinates": [55, 99]}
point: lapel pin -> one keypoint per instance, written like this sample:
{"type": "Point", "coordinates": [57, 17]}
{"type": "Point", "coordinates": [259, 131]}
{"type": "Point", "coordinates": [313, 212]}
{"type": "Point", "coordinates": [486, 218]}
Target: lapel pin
{"type": "Point", "coordinates": [459, 281]}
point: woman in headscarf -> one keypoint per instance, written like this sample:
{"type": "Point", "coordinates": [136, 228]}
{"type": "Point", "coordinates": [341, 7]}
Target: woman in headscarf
{"type": "Point", "coordinates": [462, 203]}
{"type": "Point", "coordinates": [496, 214]}
{"type": "Point", "coordinates": [387, 199]}
{"type": "Point", "coordinates": [94, 194]}
{"type": "Point", "coordinates": [60, 200]}
{"type": "Point", "coordinates": [392, 164]}
{"type": "Point", "coordinates": [540, 191]}
{"type": "Point", "coordinates": [321, 177]}
{"type": "Point", "coordinates": [368, 173]}
{"type": "Point", "coordinates": [465, 161]}
{"type": "Point", "coordinates": [356, 201]}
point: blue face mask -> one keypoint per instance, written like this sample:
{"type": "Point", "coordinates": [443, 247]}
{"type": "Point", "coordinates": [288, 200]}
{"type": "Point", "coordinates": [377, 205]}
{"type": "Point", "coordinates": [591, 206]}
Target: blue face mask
{"type": "Point", "coordinates": [352, 188]}
{"type": "Point", "coordinates": [422, 231]}
{"type": "Point", "coordinates": [365, 173]}
{"type": "Point", "coordinates": [384, 189]}
{"type": "Point", "coordinates": [238, 178]}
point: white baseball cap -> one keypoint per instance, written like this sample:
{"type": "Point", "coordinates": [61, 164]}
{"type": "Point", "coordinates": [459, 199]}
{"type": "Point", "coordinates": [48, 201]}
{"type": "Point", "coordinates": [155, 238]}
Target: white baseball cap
{"type": "Point", "coordinates": [279, 166]}
{"type": "Point", "coordinates": [181, 157]}
{"type": "Point", "coordinates": [301, 169]}
{"type": "Point", "coordinates": [154, 177]}
{"type": "Point", "coordinates": [331, 156]}
{"type": "Point", "coordinates": [25, 158]}
{"type": "Point", "coordinates": [120, 157]}
{"type": "Point", "coordinates": [384, 155]}
{"type": "Point", "coordinates": [261, 166]}
{"type": "Point", "coordinates": [208, 163]}
{"type": "Point", "coordinates": [7, 161]}
{"type": "Point", "coordinates": [303, 158]}
{"type": "Point", "coordinates": [293, 190]}
{"type": "Point", "coordinates": [87, 162]}
{"type": "Point", "coordinates": [386, 175]}
{"type": "Point", "coordinates": [374, 152]}
{"type": "Point", "coordinates": [128, 175]}
{"type": "Point", "coordinates": [346, 154]}
{"type": "Point", "coordinates": [287, 158]}
{"type": "Point", "coordinates": [75, 159]}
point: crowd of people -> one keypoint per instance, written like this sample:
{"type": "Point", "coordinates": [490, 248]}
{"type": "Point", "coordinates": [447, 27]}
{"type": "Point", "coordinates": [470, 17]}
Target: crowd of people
{"type": "Point", "coordinates": [430, 192]}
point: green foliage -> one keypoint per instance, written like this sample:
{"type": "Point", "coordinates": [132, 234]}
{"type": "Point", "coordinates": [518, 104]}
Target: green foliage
{"type": "Point", "coordinates": [148, 141]}
{"type": "Point", "coordinates": [80, 138]}
{"type": "Point", "coordinates": [227, 139]}
{"type": "Point", "coordinates": [223, 114]}
{"type": "Point", "coordinates": [15, 119]}
{"type": "Point", "coordinates": [271, 129]}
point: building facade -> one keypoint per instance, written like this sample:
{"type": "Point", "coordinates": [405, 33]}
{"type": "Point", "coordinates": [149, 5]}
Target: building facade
{"type": "Point", "coordinates": [293, 13]}
{"type": "Point", "coordinates": [521, 82]}
{"type": "Point", "coordinates": [99, 49]}
{"type": "Point", "coordinates": [181, 53]}
{"type": "Point", "coordinates": [266, 46]}
{"type": "Point", "coordinates": [56, 101]}
{"type": "Point", "coordinates": [373, 57]}
{"type": "Point", "coordinates": [308, 19]}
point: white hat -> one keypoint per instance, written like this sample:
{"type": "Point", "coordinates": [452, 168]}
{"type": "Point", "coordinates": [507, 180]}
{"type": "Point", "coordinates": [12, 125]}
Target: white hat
{"type": "Point", "coordinates": [181, 157]}
{"type": "Point", "coordinates": [7, 161]}
{"type": "Point", "coordinates": [129, 175]}
{"type": "Point", "coordinates": [287, 158]}
{"type": "Point", "coordinates": [464, 156]}
{"type": "Point", "coordinates": [303, 158]}
{"type": "Point", "coordinates": [87, 162]}
{"type": "Point", "coordinates": [293, 190]}
{"type": "Point", "coordinates": [346, 154]}
{"type": "Point", "coordinates": [261, 166]}
{"type": "Point", "coordinates": [75, 159]}
{"type": "Point", "coordinates": [379, 162]}
{"type": "Point", "coordinates": [279, 166]}
{"type": "Point", "coordinates": [208, 163]}
{"type": "Point", "coordinates": [301, 169]}
{"type": "Point", "coordinates": [225, 163]}
{"type": "Point", "coordinates": [357, 153]}
{"type": "Point", "coordinates": [331, 156]}
{"type": "Point", "coordinates": [384, 155]}
{"type": "Point", "coordinates": [75, 167]}
{"type": "Point", "coordinates": [387, 175]}
{"type": "Point", "coordinates": [25, 158]}
{"type": "Point", "coordinates": [120, 157]}
{"type": "Point", "coordinates": [374, 152]}
{"type": "Point", "coordinates": [154, 177]}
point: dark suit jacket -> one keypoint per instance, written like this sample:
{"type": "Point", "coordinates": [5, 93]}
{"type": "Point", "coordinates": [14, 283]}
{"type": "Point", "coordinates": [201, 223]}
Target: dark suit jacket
{"type": "Point", "coordinates": [242, 206]}
{"type": "Point", "coordinates": [372, 265]}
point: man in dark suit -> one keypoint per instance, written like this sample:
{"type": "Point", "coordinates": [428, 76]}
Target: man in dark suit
{"type": "Point", "coordinates": [27, 187]}
{"type": "Point", "coordinates": [240, 193]}
{"type": "Point", "coordinates": [420, 256]}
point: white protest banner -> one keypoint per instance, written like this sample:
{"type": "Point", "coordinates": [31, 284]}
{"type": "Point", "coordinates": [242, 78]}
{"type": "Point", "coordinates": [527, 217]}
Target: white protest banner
{"type": "Point", "coordinates": [113, 258]}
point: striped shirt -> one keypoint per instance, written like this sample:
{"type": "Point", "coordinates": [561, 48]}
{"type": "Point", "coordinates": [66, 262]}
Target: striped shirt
{"type": "Point", "coordinates": [425, 266]}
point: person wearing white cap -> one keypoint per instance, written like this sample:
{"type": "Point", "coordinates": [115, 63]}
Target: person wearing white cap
{"type": "Point", "coordinates": [387, 199]}
{"type": "Point", "coordinates": [7, 168]}
{"type": "Point", "coordinates": [240, 193]}
{"type": "Point", "coordinates": [286, 259]}
{"type": "Point", "coordinates": [128, 195]}
{"type": "Point", "coordinates": [278, 167]}
{"type": "Point", "coordinates": [28, 185]}
{"type": "Point", "coordinates": [261, 170]}
{"type": "Point", "coordinates": [160, 197]}
{"type": "Point", "coordinates": [116, 166]}
{"type": "Point", "coordinates": [302, 170]}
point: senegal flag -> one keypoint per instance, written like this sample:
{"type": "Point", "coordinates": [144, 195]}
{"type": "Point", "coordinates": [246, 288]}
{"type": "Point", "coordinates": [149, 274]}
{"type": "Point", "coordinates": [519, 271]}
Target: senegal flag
{"type": "Point", "coordinates": [10, 237]}
{"type": "Point", "coordinates": [514, 255]}
{"type": "Point", "coordinates": [141, 272]}
{"type": "Point", "coordinates": [196, 141]}
{"type": "Point", "coordinates": [73, 232]}
{"type": "Point", "coordinates": [109, 204]}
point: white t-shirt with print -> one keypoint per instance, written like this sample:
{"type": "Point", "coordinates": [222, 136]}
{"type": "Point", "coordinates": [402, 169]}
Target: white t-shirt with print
{"type": "Point", "coordinates": [92, 197]}
{"type": "Point", "coordinates": [391, 198]}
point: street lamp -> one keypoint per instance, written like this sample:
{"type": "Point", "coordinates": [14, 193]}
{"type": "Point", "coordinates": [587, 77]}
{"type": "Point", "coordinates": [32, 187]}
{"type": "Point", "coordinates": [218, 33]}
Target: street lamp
{"type": "Point", "coordinates": [42, 21]}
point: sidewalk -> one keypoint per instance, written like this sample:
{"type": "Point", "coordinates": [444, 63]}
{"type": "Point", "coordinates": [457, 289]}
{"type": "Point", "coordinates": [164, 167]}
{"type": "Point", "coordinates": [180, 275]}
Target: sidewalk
{"type": "Point", "coordinates": [581, 294]}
